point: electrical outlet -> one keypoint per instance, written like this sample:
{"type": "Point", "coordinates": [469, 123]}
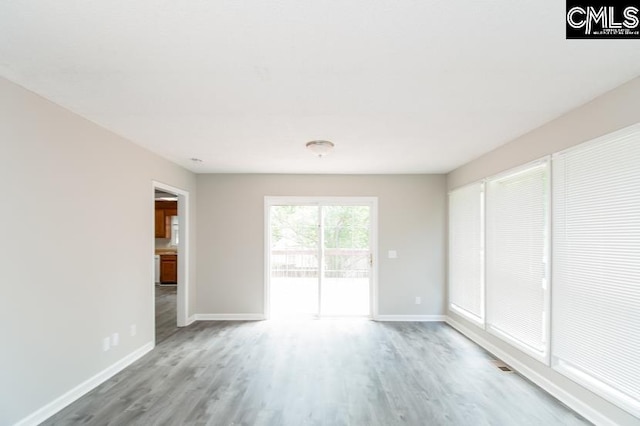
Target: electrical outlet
{"type": "Point", "coordinates": [115, 339]}
{"type": "Point", "coordinates": [106, 344]}
{"type": "Point", "coordinates": [418, 300]}
{"type": "Point", "coordinates": [393, 254]}
{"type": "Point", "coordinates": [133, 330]}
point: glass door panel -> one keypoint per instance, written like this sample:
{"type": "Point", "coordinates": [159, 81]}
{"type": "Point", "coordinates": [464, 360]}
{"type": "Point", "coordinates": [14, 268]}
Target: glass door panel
{"type": "Point", "coordinates": [295, 262]}
{"type": "Point", "coordinates": [346, 260]}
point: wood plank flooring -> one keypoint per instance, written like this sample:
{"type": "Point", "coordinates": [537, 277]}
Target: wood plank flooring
{"type": "Point", "coordinates": [166, 317]}
{"type": "Point", "coordinates": [322, 372]}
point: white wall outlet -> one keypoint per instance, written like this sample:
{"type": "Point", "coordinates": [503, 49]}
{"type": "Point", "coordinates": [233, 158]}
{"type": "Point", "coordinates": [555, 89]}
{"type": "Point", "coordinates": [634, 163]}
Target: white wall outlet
{"type": "Point", "coordinates": [393, 254]}
{"type": "Point", "coordinates": [115, 339]}
{"type": "Point", "coordinates": [418, 300]}
{"type": "Point", "coordinates": [133, 330]}
{"type": "Point", "coordinates": [106, 344]}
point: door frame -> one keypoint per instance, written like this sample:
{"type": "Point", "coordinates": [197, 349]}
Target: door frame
{"type": "Point", "coordinates": [372, 202]}
{"type": "Point", "coordinates": [182, 288]}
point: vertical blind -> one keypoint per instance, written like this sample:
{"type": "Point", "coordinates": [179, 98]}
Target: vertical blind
{"type": "Point", "coordinates": [596, 271]}
{"type": "Point", "coordinates": [516, 255]}
{"type": "Point", "coordinates": [466, 263]}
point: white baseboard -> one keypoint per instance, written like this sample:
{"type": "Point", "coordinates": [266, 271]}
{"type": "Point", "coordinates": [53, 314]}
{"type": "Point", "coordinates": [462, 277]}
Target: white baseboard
{"type": "Point", "coordinates": [410, 318]}
{"type": "Point", "coordinates": [229, 317]}
{"type": "Point", "coordinates": [62, 401]}
{"type": "Point", "coordinates": [191, 320]}
{"type": "Point", "coordinates": [571, 401]}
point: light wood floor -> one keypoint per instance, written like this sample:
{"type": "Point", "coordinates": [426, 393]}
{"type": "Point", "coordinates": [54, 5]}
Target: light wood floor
{"type": "Point", "coordinates": [326, 372]}
{"type": "Point", "coordinates": [166, 317]}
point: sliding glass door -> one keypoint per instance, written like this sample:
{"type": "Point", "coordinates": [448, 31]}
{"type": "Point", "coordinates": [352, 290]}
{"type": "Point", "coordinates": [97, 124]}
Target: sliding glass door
{"type": "Point", "coordinates": [320, 259]}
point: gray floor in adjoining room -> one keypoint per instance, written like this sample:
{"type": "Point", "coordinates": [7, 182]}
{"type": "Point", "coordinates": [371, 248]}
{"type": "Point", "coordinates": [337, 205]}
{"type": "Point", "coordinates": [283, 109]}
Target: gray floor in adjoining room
{"type": "Point", "coordinates": [322, 372]}
{"type": "Point", "coordinates": [166, 317]}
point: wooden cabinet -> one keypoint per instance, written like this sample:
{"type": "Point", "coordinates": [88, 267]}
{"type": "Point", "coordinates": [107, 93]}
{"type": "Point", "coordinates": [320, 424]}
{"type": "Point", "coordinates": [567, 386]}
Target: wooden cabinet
{"type": "Point", "coordinates": [164, 211]}
{"type": "Point", "coordinates": [168, 268]}
{"type": "Point", "coordinates": [161, 226]}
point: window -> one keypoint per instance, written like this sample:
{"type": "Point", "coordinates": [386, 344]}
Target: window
{"type": "Point", "coordinates": [517, 227]}
{"type": "Point", "coordinates": [596, 271]}
{"type": "Point", "coordinates": [175, 231]}
{"type": "Point", "coordinates": [466, 260]}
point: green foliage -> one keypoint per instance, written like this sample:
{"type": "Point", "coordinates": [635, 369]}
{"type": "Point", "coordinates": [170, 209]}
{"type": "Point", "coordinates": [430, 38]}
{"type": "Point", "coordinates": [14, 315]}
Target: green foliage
{"type": "Point", "coordinates": [298, 226]}
{"type": "Point", "coordinates": [295, 229]}
{"type": "Point", "coordinates": [346, 227]}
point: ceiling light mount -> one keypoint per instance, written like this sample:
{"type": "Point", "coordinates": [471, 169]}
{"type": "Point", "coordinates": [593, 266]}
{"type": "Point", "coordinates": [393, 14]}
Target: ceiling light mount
{"type": "Point", "coordinates": [320, 147]}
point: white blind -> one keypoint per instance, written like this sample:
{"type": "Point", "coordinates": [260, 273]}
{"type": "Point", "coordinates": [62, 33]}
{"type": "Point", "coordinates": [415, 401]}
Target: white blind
{"type": "Point", "coordinates": [596, 271]}
{"type": "Point", "coordinates": [517, 251]}
{"type": "Point", "coordinates": [466, 269]}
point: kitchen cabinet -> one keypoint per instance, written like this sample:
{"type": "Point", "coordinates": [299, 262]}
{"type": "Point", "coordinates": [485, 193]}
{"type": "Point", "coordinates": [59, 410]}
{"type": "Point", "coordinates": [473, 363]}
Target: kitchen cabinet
{"type": "Point", "coordinates": [160, 224]}
{"type": "Point", "coordinates": [164, 211]}
{"type": "Point", "coordinates": [168, 269]}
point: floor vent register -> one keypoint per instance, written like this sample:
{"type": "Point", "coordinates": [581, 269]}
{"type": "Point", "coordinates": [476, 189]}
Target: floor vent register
{"type": "Point", "coordinates": [502, 366]}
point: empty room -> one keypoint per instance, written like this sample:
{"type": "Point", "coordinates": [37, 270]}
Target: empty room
{"type": "Point", "coordinates": [320, 213]}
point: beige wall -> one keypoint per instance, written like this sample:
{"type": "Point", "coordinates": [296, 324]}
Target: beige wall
{"type": "Point", "coordinates": [231, 237]}
{"type": "Point", "coordinates": [76, 249]}
{"type": "Point", "coordinates": [614, 110]}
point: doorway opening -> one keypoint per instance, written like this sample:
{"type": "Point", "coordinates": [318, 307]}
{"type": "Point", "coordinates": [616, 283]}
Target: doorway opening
{"type": "Point", "coordinates": [320, 257]}
{"type": "Point", "coordinates": [170, 260]}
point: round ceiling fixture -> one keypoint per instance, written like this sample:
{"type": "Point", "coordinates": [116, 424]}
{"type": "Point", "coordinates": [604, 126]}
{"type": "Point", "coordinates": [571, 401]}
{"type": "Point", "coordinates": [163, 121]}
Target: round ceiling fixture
{"type": "Point", "coordinates": [320, 148]}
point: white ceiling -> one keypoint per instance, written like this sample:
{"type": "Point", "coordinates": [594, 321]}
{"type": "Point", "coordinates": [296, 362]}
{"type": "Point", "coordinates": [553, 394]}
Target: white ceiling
{"type": "Point", "coordinates": [400, 86]}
